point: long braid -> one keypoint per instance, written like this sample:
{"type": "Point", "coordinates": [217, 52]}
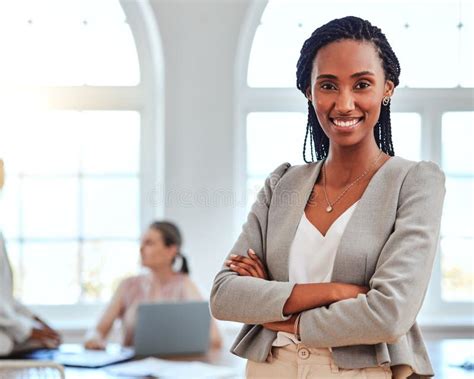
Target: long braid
{"type": "Point", "coordinates": [346, 28]}
{"type": "Point", "coordinates": [321, 141]}
{"type": "Point", "coordinates": [309, 132]}
{"type": "Point", "coordinates": [386, 130]}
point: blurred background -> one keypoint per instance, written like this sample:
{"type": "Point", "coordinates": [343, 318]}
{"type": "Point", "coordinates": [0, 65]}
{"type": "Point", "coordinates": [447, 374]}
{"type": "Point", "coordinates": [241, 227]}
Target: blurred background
{"type": "Point", "coordinates": [114, 113]}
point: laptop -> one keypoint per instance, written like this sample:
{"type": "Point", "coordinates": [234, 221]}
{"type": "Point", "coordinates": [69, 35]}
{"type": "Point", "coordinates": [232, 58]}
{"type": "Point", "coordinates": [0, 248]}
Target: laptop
{"type": "Point", "coordinates": [171, 328]}
{"type": "Point", "coordinates": [162, 329]}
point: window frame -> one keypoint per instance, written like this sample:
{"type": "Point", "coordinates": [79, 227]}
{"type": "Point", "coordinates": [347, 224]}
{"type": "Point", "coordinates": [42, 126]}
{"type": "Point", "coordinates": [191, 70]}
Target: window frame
{"type": "Point", "coordinates": [437, 315]}
{"type": "Point", "coordinates": [146, 98]}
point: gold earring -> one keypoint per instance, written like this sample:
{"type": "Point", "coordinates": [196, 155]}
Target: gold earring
{"type": "Point", "coordinates": [386, 100]}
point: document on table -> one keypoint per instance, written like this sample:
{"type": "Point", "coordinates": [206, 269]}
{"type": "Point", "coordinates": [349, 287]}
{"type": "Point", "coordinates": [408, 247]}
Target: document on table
{"type": "Point", "coordinates": [171, 369]}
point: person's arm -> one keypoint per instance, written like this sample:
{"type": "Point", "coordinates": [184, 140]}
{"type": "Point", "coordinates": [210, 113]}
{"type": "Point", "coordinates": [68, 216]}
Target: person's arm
{"type": "Point", "coordinates": [96, 338]}
{"type": "Point", "coordinates": [40, 331]}
{"type": "Point", "coordinates": [6, 344]}
{"type": "Point", "coordinates": [16, 320]}
{"type": "Point", "coordinates": [303, 296]}
{"type": "Point", "coordinates": [22, 309]}
{"type": "Point", "coordinates": [17, 326]}
{"type": "Point", "coordinates": [230, 291]}
{"type": "Point", "coordinates": [400, 281]}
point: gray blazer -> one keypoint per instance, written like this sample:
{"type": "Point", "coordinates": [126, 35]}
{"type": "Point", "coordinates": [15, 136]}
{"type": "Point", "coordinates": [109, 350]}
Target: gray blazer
{"type": "Point", "coordinates": [389, 245]}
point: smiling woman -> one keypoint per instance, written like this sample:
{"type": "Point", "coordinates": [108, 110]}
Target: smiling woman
{"type": "Point", "coordinates": [432, 106]}
{"type": "Point", "coordinates": [347, 93]}
{"type": "Point", "coordinates": [332, 265]}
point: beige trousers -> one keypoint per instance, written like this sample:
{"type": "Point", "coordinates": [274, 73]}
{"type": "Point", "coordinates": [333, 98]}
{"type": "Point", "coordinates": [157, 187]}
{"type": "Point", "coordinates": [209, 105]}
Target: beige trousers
{"type": "Point", "coordinates": [301, 362]}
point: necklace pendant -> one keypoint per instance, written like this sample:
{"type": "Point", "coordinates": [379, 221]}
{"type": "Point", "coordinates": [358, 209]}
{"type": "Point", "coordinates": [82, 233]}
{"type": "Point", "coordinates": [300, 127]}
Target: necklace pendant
{"type": "Point", "coordinates": [329, 209]}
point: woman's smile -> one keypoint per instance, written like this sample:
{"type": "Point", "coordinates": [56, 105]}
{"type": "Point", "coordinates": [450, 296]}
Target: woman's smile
{"type": "Point", "coordinates": [345, 124]}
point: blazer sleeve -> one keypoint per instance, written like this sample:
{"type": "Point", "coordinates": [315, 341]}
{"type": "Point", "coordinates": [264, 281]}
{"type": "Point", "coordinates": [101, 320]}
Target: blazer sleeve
{"type": "Point", "coordinates": [246, 299]}
{"type": "Point", "coordinates": [399, 283]}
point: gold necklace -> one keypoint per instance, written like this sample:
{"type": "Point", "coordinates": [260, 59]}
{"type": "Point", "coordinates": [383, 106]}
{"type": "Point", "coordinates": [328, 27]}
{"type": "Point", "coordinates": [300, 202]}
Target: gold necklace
{"type": "Point", "coordinates": [330, 206]}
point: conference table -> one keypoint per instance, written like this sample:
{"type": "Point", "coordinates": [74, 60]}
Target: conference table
{"type": "Point", "coordinates": [219, 357]}
{"type": "Point", "coordinates": [444, 354]}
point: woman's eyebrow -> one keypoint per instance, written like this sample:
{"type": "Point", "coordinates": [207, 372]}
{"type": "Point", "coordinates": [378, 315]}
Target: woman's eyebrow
{"type": "Point", "coordinates": [362, 73]}
{"type": "Point", "coordinates": [356, 75]}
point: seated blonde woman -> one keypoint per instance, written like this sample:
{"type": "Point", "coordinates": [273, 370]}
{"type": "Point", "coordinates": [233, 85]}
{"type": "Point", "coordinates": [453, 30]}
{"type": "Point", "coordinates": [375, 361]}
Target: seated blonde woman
{"type": "Point", "coordinates": [159, 249]}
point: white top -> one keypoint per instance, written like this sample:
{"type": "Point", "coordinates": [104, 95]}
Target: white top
{"type": "Point", "coordinates": [312, 256]}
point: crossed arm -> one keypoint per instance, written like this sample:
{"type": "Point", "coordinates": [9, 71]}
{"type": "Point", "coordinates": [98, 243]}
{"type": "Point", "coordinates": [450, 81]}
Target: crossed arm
{"type": "Point", "coordinates": [302, 297]}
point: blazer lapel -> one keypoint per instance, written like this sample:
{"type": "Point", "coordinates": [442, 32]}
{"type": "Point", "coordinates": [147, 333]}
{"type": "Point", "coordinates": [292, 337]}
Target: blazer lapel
{"type": "Point", "coordinates": [350, 263]}
{"type": "Point", "coordinates": [287, 206]}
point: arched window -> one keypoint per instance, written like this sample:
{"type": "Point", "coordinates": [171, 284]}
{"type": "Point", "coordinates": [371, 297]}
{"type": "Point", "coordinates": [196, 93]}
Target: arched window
{"type": "Point", "coordinates": [432, 118]}
{"type": "Point", "coordinates": [77, 129]}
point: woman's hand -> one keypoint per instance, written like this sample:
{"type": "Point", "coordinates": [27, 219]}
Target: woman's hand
{"type": "Point", "coordinates": [248, 266]}
{"type": "Point", "coordinates": [46, 336]}
{"type": "Point", "coordinates": [95, 344]}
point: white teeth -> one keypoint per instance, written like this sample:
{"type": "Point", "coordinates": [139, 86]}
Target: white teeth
{"type": "Point", "coordinates": [345, 124]}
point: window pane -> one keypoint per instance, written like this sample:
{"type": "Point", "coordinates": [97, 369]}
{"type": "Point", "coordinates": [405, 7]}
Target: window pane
{"type": "Point", "coordinates": [458, 214]}
{"type": "Point", "coordinates": [406, 135]}
{"type": "Point", "coordinates": [60, 262]}
{"type": "Point", "coordinates": [10, 208]}
{"type": "Point", "coordinates": [272, 139]}
{"type": "Point", "coordinates": [105, 264]}
{"type": "Point", "coordinates": [457, 137]}
{"type": "Point", "coordinates": [111, 208]}
{"type": "Point", "coordinates": [95, 45]}
{"type": "Point", "coordinates": [111, 142]}
{"type": "Point", "coordinates": [49, 208]}
{"type": "Point", "coordinates": [457, 262]}
{"type": "Point", "coordinates": [99, 141]}
{"type": "Point", "coordinates": [44, 142]}
{"type": "Point", "coordinates": [457, 246]}
{"type": "Point", "coordinates": [38, 54]}
{"type": "Point", "coordinates": [110, 56]}
{"type": "Point", "coordinates": [31, 141]}
{"type": "Point", "coordinates": [285, 24]}
{"type": "Point", "coordinates": [41, 193]}
{"type": "Point", "coordinates": [271, 43]}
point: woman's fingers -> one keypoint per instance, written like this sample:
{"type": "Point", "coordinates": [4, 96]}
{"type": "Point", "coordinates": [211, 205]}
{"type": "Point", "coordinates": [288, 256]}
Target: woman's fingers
{"type": "Point", "coordinates": [253, 266]}
{"type": "Point", "coordinates": [255, 257]}
{"type": "Point", "coordinates": [244, 265]}
{"type": "Point", "coordinates": [238, 269]}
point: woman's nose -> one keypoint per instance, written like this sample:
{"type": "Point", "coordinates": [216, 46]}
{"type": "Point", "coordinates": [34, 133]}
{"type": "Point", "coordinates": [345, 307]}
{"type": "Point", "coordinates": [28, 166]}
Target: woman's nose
{"type": "Point", "coordinates": [344, 102]}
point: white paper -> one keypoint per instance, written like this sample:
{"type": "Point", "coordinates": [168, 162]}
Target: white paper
{"type": "Point", "coordinates": [171, 369]}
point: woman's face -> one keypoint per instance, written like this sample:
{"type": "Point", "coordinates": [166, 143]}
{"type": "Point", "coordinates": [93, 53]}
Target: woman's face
{"type": "Point", "coordinates": [153, 252]}
{"type": "Point", "coordinates": [347, 88]}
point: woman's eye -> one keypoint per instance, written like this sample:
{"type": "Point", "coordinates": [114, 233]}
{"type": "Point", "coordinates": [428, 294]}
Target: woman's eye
{"type": "Point", "coordinates": [362, 85]}
{"type": "Point", "coordinates": [327, 86]}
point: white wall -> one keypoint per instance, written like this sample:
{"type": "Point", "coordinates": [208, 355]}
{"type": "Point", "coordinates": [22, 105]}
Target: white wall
{"type": "Point", "coordinates": [199, 40]}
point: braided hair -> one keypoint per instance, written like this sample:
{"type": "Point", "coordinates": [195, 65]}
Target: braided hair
{"type": "Point", "coordinates": [354, 28]}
